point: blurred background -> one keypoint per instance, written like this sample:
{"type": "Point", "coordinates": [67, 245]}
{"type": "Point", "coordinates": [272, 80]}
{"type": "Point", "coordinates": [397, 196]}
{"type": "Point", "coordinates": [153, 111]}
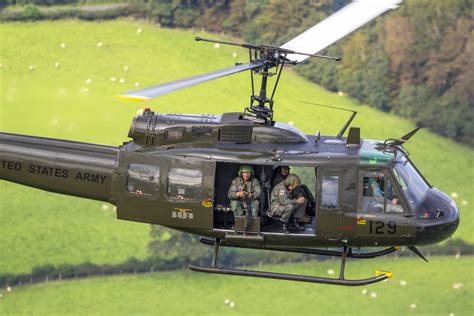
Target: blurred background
{"type": "Point", "coordinates": [61, 63]}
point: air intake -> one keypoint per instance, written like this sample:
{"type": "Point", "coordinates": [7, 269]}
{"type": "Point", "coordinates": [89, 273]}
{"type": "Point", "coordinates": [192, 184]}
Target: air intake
{"type": "Point", "coordinates": [237, 133]}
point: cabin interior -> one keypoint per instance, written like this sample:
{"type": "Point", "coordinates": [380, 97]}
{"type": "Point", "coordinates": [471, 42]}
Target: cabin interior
{"type": "Point", "coordinates": [223, 216]}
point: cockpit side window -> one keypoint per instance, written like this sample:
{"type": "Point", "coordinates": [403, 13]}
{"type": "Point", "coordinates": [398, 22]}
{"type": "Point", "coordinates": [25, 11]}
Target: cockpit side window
{"type": "Point", "coordinates": [379, 194]}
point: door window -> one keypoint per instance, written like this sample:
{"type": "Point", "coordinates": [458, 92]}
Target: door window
{"type": "Point", "coordinates": [184, 184]}
{"type": "Point", "coordinates": [143, 179]}
{"type": "Point", "coordinates": [330, 192]}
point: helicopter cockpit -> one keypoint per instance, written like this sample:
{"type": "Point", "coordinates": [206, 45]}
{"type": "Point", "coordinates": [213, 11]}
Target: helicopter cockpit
{"type": "Point", "coordinates": [436, 214]}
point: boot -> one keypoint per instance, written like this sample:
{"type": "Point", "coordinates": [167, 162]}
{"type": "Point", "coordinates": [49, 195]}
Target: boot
{"type": "Point", "coordinates": [284, 229]}
{"type": "Point", "coordinates": [298, 225]}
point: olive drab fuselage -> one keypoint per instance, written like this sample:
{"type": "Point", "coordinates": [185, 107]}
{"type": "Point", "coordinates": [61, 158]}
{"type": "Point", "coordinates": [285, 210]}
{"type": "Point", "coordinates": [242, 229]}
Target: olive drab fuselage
{"type": "Point", "coordinates": [177, 171]}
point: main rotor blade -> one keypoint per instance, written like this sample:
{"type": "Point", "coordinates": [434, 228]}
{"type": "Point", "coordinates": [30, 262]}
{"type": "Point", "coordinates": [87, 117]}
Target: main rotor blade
{"type": "Point", "coordinates": [161, 89]}
{"type": "Point", "coordinates": [337, 26]}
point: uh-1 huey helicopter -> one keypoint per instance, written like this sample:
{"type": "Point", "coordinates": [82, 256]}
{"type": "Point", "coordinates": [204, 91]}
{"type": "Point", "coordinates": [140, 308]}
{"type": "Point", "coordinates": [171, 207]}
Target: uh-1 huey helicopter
{"type": "Point", "coordinates": [178, 168]}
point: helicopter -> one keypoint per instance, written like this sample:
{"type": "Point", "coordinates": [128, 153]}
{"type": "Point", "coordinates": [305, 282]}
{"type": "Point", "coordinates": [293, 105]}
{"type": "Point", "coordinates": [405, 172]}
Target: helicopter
{"type": "Point", "coordinates": [177, 169]}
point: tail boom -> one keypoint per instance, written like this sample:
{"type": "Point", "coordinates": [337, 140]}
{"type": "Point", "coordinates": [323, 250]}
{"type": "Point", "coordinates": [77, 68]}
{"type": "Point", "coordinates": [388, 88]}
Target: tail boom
{"type": "Point", "coordinates": [72, 168]}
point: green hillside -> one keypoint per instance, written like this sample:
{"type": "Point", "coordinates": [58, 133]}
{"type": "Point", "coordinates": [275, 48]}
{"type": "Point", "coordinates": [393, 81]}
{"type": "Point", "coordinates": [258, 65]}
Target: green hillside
{"type": "Point", "coordinates": [58, 79]}
{"type": "Point", "coordinates": [441, 289]}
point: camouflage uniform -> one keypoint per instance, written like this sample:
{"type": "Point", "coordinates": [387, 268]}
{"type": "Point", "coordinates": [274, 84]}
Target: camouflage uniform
{"type": "Point", "coordinates": [251, 186]}
{"type": "Point", "coordinates": [281, 204]}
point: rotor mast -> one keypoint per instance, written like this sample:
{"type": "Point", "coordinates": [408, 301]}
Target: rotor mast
{"type": "Point", "coordinates": [261, 107]}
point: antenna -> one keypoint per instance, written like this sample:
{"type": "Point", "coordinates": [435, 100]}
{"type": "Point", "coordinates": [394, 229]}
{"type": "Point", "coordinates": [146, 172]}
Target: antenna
{"type": "Point", "coordinates": [342, 131]}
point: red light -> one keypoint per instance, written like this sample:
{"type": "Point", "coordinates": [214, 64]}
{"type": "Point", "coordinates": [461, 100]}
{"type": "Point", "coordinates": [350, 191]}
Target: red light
{"type": "Point", "coordinates": [147, 109]}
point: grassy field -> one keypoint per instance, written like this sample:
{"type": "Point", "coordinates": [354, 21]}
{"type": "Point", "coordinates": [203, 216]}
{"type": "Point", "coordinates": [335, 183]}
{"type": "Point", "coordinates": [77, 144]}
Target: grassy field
{"type": "Point", "coordinates": [58, 79]}
{"type": "Point", "coordinates": [445, 286]}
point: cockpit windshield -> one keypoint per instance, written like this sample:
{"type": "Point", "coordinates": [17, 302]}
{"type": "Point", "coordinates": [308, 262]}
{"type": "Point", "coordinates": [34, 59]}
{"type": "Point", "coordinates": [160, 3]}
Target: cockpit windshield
{"type": "Point", "coordinates": [413, 185]}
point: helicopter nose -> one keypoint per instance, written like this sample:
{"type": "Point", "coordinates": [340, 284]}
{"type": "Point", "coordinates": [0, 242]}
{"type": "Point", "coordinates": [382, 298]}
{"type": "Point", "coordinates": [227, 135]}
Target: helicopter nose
{"type": "Point", "coordinates": [437, 218]}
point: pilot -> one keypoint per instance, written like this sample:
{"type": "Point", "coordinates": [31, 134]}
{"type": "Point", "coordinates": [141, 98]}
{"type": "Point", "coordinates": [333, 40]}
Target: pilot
{"type": "Point", "coordinates": [245, 188]}
{"type": "Point", "coordinates": [281, 202]}
{"type": "Point", "coordinates": [393, 205]}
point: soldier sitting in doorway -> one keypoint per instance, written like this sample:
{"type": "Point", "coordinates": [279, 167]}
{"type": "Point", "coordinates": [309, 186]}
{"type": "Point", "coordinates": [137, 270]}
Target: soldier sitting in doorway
{"type": "Point", "coordinates": [305, 213]}
{"type": "Point", "coordinates": [245, 188]}
{"type": "Point", "coordinates": [283, 204]}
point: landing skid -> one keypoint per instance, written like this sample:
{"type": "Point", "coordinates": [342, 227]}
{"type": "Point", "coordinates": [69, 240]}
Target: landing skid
{"type": "Point", "coordinates": [213, 268]}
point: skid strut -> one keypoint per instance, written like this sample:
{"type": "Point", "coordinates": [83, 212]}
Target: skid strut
{"type": "Point", "coordinates": [213, 268]}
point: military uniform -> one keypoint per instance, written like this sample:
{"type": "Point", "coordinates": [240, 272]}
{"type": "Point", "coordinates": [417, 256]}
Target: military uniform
{"type": "Point", "coordinates": [237, 203]}
{"type": "Point", "coordinates": [281, 202]}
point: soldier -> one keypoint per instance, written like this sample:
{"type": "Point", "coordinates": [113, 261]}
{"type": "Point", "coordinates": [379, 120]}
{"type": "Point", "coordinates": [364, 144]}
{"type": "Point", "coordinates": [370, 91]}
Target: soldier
{"type": "Point", "coordinates": [280, 174]}
{"type": "Point", "coordinates": [281, 202]}
{"type": "Point", "coordinates": [245, 186]}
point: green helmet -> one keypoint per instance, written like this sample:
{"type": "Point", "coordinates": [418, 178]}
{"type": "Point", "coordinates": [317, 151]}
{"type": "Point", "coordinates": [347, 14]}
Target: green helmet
{"type": "Point", "coordinates": [245, 168]}
{"type": "Point", "coordinates": [292, 179]}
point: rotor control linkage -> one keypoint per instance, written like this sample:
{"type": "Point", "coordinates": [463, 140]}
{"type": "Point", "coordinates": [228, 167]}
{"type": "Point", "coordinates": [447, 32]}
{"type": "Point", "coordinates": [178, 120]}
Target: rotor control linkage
{"type": "Point", "coordinates": [261, 107]}
{"type": "Point", "coordinates": [270, 48]}
{"type": "Point", "coordinates": [290, 277]}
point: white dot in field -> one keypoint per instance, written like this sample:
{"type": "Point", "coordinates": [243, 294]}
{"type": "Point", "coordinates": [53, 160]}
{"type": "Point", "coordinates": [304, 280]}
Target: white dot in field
{"type": "Point", "coordinates": [105, 207]}
{"type": "Point", "coordinates": [330, 272]}
{"type": "Point", "coordinates": [113, 79]}
{"type": "Point", "coordinates": [226, 301]}
{"type": "Point", "coordinates": [217, 45]}
{"type": "Point", "coordinates": [83, 91]}
{"type": "Point", "coordinates": [232, 304]}
{"type": "Point", "coordinates": [454, 195]}
{"type": "Point", "coordinates": [364, 291]}
{"type": "Point", "coordinates": [1, 295]}
{"type": "Point", "coordinates": [373, 295]}
{"type": "Point", "coordinates": [62, 45]}
{"type": "Point", "coordinates": [54, 121]}
{"type": "Point", "coordinates": [458, 286]}
{"type": "Point", "coordinates": [31, 68]}
{"type": "Point", "coordinates": [412, 305]}
{"type": "Point", "coordinates": [464, 202]}
{"type": "Point", "coordinates": [1, 66]}
{"type": "Point", "coordinates": [139, 112]}
{"type": "Point", "coordinates": [122, 80]}
{"type": "Point", "coordinates": [56, 65]}
{"type": "Point", "coordinates": [457, 255]}
{"type": "Point", "coordinates": [100, 44]}
{"type": "Point", "coordinates": [62, 92]}
{"type": "Point", "coordinates": [403, 282]}
{"type": "Point", "coordinates": [88, 81]}
{"type": "Point", "coordinates": [136, 84]}
{"type": "Point", "coordinates": [125, 68]}
{"type": "Point", "coordinates": [451, 314]}
{"type": "Point", "coordinates": [139, 31]}
{"type": "Point", "coordinates": [291, 123]}
{"type": "Point", "coordinates": [234, 55]}
{"type": "Point", "coordinates": [9, 288]}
